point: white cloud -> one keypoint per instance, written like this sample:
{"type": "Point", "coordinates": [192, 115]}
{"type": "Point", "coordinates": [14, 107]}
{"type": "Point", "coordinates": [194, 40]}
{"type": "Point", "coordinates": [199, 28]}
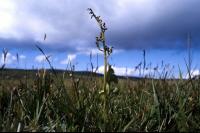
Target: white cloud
{"type": "Point", "coordinates": [40, 58]}
{"type": "Point", "coordinates": [9, 58]}
{"type": "Point", "coordinates": [88, 51]}
{"type": "Point", "coordinates": [19, 21]}
{"type": "Point", "coordinates": [22, 57]}
{"type": "Point", "coordinates": [70, 58]}
{"type": "Point", "coordinates": [193, 73]}
{"type": "Point", "coordinates": [7, 19]}
{"type": "Point", "coordinates": [123, 71]}
{"type": "Point", "coordinates": [94, 51]}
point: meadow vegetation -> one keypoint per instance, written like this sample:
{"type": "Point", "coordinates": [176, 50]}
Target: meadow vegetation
{"type": "Point", "coordinates": [51, 100]}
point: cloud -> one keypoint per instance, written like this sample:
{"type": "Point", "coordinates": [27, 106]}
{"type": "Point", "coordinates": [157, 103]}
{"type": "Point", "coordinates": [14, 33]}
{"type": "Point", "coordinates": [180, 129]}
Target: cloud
{"type": "Point", "coordinates": [126, 71]}
{"type": "Point", "coordinates": [10, 59]}
{"type": "Point", "coordinates": [92, 51]}
{"type": "Point", "coordinates": [193, 73]}
{"type": "Point", "coordinates": [40, 58]}
{"type": "Point", "coordinates": [163, 26]}
{"type": "Point", "coordinates": [70, 58]}
{"type": "Point", "coordinates": [22, 57]}
{"type": "Point", "coordinates": [118, 70]}
{"type": "Point", "coordinates": [131, 24]}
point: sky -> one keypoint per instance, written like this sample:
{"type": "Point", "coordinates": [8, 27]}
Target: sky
{"type": "Point", "coordinates": [161, 28]}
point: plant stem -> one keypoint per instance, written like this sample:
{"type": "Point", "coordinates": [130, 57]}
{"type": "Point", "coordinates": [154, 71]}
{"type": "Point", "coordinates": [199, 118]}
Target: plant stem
{"type": "Point", "coordinates": [104, 86]}
{"type": "Point", "coordinates": [105, 66]}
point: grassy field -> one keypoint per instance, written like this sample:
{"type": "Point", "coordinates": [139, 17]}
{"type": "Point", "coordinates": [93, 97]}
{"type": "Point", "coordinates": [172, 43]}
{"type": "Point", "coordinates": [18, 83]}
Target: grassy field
{"type": "Point", "coordinates": [43, 101]}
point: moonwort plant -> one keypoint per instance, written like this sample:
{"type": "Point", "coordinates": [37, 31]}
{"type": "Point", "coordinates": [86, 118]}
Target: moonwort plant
{"type": "Point", "coordinates": [103, 47]}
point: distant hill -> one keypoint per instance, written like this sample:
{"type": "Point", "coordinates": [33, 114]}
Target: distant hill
{"type": "Point", "coordinates": [20, 73]}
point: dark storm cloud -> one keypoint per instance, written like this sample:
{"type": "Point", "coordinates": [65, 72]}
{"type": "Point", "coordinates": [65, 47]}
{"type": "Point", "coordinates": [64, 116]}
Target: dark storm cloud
{"type": "Point", "coordinates": [12, 44]}
{"type": "Point", "coordinates": [167, 28]}
{"type": "Point", "coordinates": [132, 24]}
